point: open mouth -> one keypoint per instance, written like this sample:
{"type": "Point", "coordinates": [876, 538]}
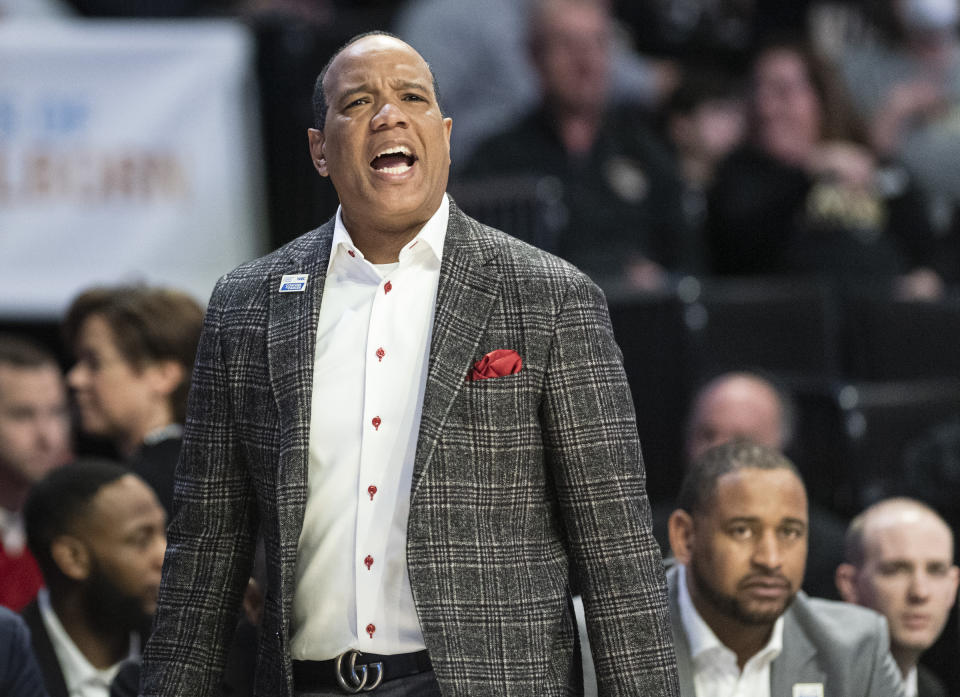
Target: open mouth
{"type": "Point", "coordinates": [395, 160]}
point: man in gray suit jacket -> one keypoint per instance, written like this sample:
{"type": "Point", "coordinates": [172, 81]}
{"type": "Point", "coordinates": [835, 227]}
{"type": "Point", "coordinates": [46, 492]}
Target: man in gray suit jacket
{"type": "Point", "coordinates": [429, 423]}
{"type": "Point", "coordinates": [740, 623]}
{"type": "Point", "coordinates": [899, 562]}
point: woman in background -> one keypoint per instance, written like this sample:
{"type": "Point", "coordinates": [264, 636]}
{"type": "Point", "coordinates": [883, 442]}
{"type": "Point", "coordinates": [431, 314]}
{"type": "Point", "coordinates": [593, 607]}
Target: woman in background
{"type": "Point", "coordinates": [806, 196]}
{"type": "Point", "coordinates": [134, 348]}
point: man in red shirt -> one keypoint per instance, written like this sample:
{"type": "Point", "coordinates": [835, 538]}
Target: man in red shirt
{"type": "Point", "coordinates": [34, 439]}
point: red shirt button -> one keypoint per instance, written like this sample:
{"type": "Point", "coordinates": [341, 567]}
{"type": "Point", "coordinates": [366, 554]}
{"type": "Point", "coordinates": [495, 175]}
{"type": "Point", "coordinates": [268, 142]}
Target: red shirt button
{"type": "Point", "coordinates": [380, 354]}
{"type": "Point", "coordinates": [387, 287]}
{"type": "Point", "coordinates": [371, 490]}
{"type": "Point", "coordinates": [351, 253]}
{"type": "Point", "coordinates": [376, 423]}
{"type": "Point", "coordinates": [368, 562]}
{"type": "Point", "coordinates": [371, 628]}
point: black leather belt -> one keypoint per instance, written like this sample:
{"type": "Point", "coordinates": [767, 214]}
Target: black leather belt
{"type": "Point", "coordinates": [353, 672]}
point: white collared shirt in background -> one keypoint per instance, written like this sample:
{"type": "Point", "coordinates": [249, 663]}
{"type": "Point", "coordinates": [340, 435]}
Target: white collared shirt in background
{"type": "Point", "coordinates": [912, 683]}
{"type": "Point", "coordinates": [715, 670]}
{"type": "Point", "coordinates": [13, 535]}
{"type": "Point", "coordinates": [370, 371]}
{"type": "Point", "coordinates": [81, 677]}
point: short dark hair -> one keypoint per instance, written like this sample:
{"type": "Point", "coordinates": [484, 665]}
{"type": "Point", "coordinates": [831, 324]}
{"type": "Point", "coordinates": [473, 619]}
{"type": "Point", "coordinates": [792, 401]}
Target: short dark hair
{"type": "Point", "coordinates": [701, 83]}
{"type": "Point", "coordinates": [58, 501]}
{"type": "Point", "coordinates": [21, 352]}
{"type": "Point", "coordinates": [148, 323]}
{"type": "Point", "coordinates": [320, 104]}
{"type": "Point", "coordinates": [700, 481]}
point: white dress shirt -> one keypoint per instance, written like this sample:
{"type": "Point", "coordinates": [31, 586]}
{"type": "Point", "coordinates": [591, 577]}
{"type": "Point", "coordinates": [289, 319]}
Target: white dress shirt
{"type": "Point", "coordinates": [81, 677]}
{"type": "Point", "coordinates": [715, 669]}
{"type": "Point", "coordinates": [912, 682]}
{"type": "Point", "coordinates": [13, 536]}
{"type": "Point", "coordinates": [370, 371]}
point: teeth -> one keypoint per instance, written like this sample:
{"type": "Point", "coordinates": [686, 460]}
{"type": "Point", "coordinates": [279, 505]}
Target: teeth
{"type": "Point", "coordinates": [396, 170]}
{"type": "Point", "coordinates": [398, 150]}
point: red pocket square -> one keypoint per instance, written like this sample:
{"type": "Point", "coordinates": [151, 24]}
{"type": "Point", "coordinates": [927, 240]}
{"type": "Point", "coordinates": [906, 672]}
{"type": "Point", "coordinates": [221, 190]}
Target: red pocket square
{"type": "Point", "coordinates": [496, 364]}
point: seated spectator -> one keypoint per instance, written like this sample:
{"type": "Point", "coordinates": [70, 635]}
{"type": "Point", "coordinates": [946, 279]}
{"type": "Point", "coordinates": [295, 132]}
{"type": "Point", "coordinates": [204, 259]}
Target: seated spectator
{"type": "Point", "coordinates": [805, 196]}
{"type": "Point", "coordinates": [899, 561]}
{"type": "Point", "coordinates": [906, 85]}
{"type": "Point", "coordinates": [477, 49]}
{"type": "Point", "coordinates": [98, 533]}
{"type": "Point", "coordinates": [134, 348]}
{"type": "Point", "coordinates": [19, 672]}
{"type": "Point", "coordinates": [619, 215]}
{"type": "Point", "coordinates": [34, 439]}
{"type": "Point", "coordinates": [741, 624]}
{"type": "Point", "coordinates": [745, 405]}
{"type": "Point", "coordinates": [705, 120]}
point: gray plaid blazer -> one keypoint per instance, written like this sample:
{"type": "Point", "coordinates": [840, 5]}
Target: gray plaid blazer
{"type": "Point", "coordinates": [522, 485]}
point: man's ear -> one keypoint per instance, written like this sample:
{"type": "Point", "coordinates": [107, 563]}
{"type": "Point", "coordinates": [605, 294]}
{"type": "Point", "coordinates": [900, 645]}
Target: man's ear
{"type": "Point", "coordinates": [680, 530]}
{"type": "Point", "coordinates": [954, 574]}
{"type": "Point", "coordinates": [166, 375]}
{"type": "Point", "coordinates": [447, 127]}
{"type": "Point", "coordinates": [72, 556]}
{"type": "Point", "coordinates": [315, 136]}
{"type": "Point", "coordinates": [846, 580]}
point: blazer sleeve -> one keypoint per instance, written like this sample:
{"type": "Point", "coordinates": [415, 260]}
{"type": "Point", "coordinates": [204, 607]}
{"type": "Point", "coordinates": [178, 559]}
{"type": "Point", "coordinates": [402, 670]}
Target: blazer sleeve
{"type": "Point", "coordinates": [593, 452]}
{"type": "Point", "coordinates": [211, 536]}
{"type": "Point", "coordinates": [19, 672]}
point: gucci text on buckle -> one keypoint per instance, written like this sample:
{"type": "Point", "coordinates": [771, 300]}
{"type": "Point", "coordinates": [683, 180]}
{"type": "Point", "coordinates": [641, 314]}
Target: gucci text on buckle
{"type": "Point", "coordinates": [356, 678]}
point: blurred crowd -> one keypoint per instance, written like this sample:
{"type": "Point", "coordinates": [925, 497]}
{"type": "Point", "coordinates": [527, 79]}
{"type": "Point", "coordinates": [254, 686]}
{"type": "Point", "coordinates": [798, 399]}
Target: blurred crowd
{"type": "Point", "coordinates": [645, 142]}
{"type": "Point", "coordinates": [703, 137]}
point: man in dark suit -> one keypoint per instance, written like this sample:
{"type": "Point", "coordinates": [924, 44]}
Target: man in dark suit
{"type": "Point", "coordinates": [97, 531]}
{"type": "Point", "coordinates": [899, 561]}
{"type": "Point", "coordinates": [741, 624]}
{"type": "Point", "coordinates": [19, 672]}
{"type": "Point", "coordinates": [429, 422]}
{"type": "Point", "coordinates": [34, 439]}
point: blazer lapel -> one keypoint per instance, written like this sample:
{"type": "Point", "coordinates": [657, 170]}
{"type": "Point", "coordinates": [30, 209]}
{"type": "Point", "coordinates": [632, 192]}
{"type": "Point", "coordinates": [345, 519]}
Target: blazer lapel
{"type": "Point", "coordinates": [795, 663]}
{"type": "Point", "coordinates": [680, 643]}
{"type": "Point", "coordinates": [467, 288]}
{"type": "Point", "coordinates": [43, 650]}
{"type": "Point", "coordinates": [291, 337]}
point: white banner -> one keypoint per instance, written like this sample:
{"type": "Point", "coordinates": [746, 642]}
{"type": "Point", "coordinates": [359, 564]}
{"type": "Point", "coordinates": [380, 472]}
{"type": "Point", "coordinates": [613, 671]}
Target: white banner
{"type": "Point", "coordinates": [129, 151]}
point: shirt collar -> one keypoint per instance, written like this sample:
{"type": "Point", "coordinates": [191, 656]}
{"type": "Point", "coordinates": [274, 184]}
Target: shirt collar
{"type": "Point", "coordinates": [158, 435]}
{"type": "Point", "coordinates": [432, 234]}
{"type": "Point", "coordinates": [912, 683]}
{"type": "Point", "coordinates": [13, 536]}
{"type": "Point", "coordinates": [701, 637]}
{"type": "Point", "coordinates": [77, 670]}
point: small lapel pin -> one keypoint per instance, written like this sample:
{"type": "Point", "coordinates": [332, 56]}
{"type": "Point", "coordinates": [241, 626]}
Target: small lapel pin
{"type": "Point", "coordinates": [293, 282]}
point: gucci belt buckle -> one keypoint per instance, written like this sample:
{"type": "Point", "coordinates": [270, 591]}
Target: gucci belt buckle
{"type": "Point", "coordinates": [355, 679]}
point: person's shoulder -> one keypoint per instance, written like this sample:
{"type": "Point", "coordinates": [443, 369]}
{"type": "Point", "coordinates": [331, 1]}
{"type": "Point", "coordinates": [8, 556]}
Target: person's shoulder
{"type": "Point", "coordinates": [511, 149]}
{"type": "Point", "coordinates": [11, 624]}
{"type": "Point", "coordinates": [252, 276]}
{"type": "Point", "coordinates": [835, 622]}
{"type": "Point", "coordinates": [929, 684]}
{"type": "Point", "coordinates": [517, 132]}
{"type": "Point", "coordinates": [297, 249]}
{"type": "Point", "coordinates": [514, 256]}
